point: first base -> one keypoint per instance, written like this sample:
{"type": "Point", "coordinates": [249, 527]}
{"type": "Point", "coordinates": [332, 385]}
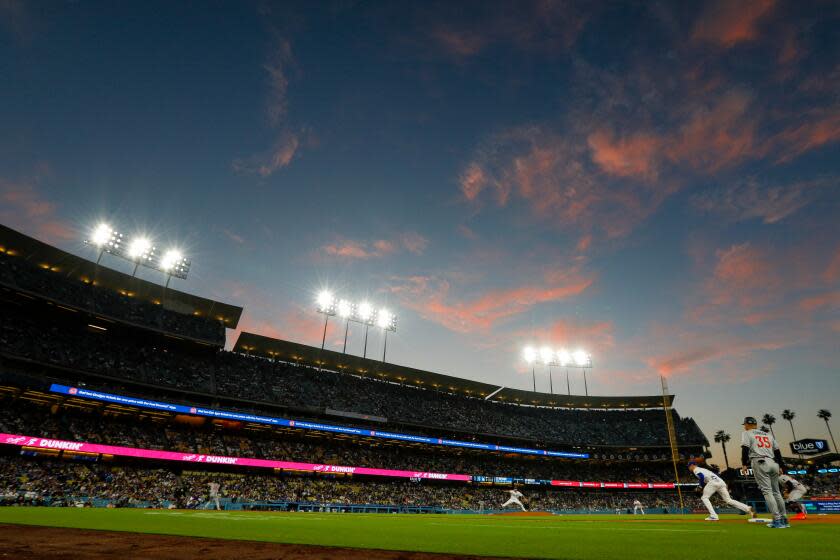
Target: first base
{"type": "Point", "coordinates": [760, 520]}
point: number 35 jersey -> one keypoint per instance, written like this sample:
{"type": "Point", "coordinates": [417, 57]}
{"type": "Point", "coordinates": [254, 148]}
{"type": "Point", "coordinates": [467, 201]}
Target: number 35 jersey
{"type": "Point", "coordinates": [760, 443]}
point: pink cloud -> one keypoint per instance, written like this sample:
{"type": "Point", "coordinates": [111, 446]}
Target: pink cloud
{"type": "Point", "coordinates": [411, 242]}
{"type": "Point", "coordinates": [687, 361]}
{"type": "Point", "coordinates": [832, 271]}
{"type": "Point", "coordinates": [750, 199]}
{"type": "Point", "coordinates": [24, 208]}
{"type": "Point", "coordinates": [555, 177]}
{"type": "Point", "coordinates": [550, 27]}
{"type": "Point", "coordinates": [472, 181]}
{"type": "Point", "coordinates": [267, 163]}
{"type": "Point", "coordinates": [459, 43]}
{"type": "Point", "coordinates": [820, 127]}
{"type": "Point", "coordinates": [715, 134]}
{"type": "Point", "coordinates": [430, 297]}
{"type": "Point", "coordinates": [630, 156]}
{"type": "Point", "coordinates": [289, 140]}
{"type": "Point", "coordinates": [728, 22]}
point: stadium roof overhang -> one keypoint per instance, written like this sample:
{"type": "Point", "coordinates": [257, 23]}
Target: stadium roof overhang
{"type": "Point", "coordinates": [258, 345]}
{"type": "Point", "coordinates": [51, 258]}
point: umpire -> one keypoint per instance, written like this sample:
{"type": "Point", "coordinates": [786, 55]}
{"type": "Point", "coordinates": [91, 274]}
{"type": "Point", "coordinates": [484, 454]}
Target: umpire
{"type": "Point", "coordinates": [760, 451]}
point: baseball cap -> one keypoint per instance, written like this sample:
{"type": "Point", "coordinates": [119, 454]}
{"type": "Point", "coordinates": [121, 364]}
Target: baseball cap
{"type": "Point", "coordinates": [750, 420]}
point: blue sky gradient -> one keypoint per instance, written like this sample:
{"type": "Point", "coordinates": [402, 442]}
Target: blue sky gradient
{"type": "Point", "coordinates": [655, 183]}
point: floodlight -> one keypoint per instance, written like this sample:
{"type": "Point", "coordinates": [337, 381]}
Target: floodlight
{"type": "Point", "coordinates": [530, 354]}
{"type": "Point", "coordinates": [383, 319]}
{"type": "Point", "coordinates": [581, 357]}
{"type": "Point", "coordinates": [345, 309]}
{"type": "Point", "coordinates": [563, 357]}
{"type": "Point", "coordinates": [325, 300]}
{"type": "Point", "coordinates": [139, 248]}
{"type": "Point", "coordinates": [101, 235]}
{"type": "Point", "coordinates": [171, 259]}
{"type": "Point", "coordinates": [365, 312]}
{"type": "Point", "coordinates": [546, 355]}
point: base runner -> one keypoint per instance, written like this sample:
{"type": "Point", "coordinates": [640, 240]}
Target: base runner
{"type": "Point", "coordinates": [514, 499]}
{"type": "Point", "coordinates": [712, 484]}
{"type": "Point", "coordinates": [794, 491]}
{"type": "Point", "coordinates": [760, 451]}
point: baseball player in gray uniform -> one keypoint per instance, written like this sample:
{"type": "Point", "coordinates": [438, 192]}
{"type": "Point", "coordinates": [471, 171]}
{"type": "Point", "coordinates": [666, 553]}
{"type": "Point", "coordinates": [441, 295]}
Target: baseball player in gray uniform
{"type": "Point", "coordinates": [760, 452]}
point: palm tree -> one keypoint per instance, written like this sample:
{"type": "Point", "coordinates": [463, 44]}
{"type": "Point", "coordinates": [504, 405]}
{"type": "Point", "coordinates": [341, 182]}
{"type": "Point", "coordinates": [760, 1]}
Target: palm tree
{"type": "Point", "coordinates": [789, 415]}
{"type": "Point", "coordinates": [769, 420]}
{"type": "Point", "coordinates": [825, 415]}
{"type": "Point", "coordinates": [722, 437]}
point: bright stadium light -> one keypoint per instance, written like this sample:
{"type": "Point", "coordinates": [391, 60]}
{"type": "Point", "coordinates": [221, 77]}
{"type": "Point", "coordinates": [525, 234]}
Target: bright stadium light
{"type": "Point", "coordinates": [563, 357]}
{"type": "Point", "coordinates": [140, 251]}
{"type": "Point", "coordinates": [365, 312]}
{"type": "Point", "coordinates": [101, 235]}
{"type": "Point", "coordinates": [530, 354]}
{"type": "Point", "coordinates": [139, 248]}
{"type": "Point", "coordinates": [345, 309]}
{"type": "Point", "coordinates": [546, 355]}
{"type": "Point", "coordinates": [170, 259]}
{"type": "Point", "coordinates": [326, 302]}
{"type": "Point", "coordinates": [581, 358]}
{"type": "Point", "coordinates": [386, 320]}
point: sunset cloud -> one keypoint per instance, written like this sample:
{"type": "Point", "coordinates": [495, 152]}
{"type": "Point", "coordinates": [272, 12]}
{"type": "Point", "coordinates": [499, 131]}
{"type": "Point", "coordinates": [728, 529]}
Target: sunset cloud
{"type": "Point", "coordinates": [727, 23]}
{"type": "Point", "coordinates": [23, 207]}
{"type": "Point", "coordinates": [411, 242]}
{"type": "Point", "coordinates": [751, 199]}
{"type": "Point", "coordinates": [557, 179]}
{"type": "Point", "coordinates": [432, 298]}
{"type": "Point", "coordinates": [289, 140]}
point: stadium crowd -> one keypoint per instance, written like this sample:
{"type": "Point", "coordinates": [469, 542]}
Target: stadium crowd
{"type": "Point", "coordinates": [229, 439]}
{"type": "Point", "coordinates": [304, 388]}
{"type": "Point", "coordinates": [26, 275]}
{"type": "Point", "coordinates": [53, 482]}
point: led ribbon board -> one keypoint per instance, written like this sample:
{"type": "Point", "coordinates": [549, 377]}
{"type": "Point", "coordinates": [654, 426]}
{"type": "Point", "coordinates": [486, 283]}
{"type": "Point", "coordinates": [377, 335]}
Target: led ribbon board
{"type": "Point", "coordinates": [37, 442]}
{"type": "Point", "coordinates": [300, 424]}
{"type": "Point", "coordinates": [95, 448]}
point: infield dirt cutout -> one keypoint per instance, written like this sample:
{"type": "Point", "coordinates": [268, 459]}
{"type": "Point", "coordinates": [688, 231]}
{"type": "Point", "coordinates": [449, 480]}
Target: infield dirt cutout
{"type": "Point", "coordinates": [28, 541]}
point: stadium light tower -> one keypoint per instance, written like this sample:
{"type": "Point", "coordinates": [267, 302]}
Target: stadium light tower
{"type": "Point", "coordinates": [345, 311]}
{"type": "Point", "coordinates": [140, 250]}
{"type": "Point", "coordinates": [579, 359]}
{"type": "Point", "coordinates": [386, 321]}
{"type": "Point", "coordinates": [326, 305]}
{"type": "Point", "coordinates": [364, 313]}
{"type": "Point", "coordinates": [530, 355]}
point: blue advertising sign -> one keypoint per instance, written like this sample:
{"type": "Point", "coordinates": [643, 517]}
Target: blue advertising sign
{"type": "Point", "coordinates": [79, 392]}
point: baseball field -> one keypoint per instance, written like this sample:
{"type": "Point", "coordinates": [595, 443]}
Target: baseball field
{"type": "Point", "coordinates": [133, 533]}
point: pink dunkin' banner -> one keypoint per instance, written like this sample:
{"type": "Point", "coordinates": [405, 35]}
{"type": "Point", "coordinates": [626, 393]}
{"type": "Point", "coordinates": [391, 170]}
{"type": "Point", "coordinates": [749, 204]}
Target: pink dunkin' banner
{"type": "Point", "coordinates": [638, 485]}
{"type": "Point", "coordinates": [45, 443]}
{"type": "Point", "coordinates": [81, 447]}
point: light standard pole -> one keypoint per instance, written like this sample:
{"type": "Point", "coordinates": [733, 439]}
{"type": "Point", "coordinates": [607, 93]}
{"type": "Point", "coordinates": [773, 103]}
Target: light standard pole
{"type": "Point", "coordinates": [386, 321]}
{"type": "Point", "coordinates": [568, 385]}
{"type": "Point", "coordinates": [346, 330]}
{"type": "Point", "coordinates": [550, 380]}
{"type": "Point", "coordinates": [324, 338]}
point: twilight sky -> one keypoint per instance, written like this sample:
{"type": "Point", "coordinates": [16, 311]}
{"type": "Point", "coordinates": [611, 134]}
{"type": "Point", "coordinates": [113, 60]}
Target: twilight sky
{"type": "Point", "coordinates": [656, 182]}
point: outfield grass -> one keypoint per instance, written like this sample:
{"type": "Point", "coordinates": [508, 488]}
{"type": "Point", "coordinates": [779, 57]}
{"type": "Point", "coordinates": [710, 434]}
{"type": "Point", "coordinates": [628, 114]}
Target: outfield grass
{"type": "Point", "coordinates": [566, 537]}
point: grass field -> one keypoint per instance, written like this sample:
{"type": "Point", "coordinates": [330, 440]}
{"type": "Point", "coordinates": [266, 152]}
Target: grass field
{"type": "Point", "coordinates": [566, 537]}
